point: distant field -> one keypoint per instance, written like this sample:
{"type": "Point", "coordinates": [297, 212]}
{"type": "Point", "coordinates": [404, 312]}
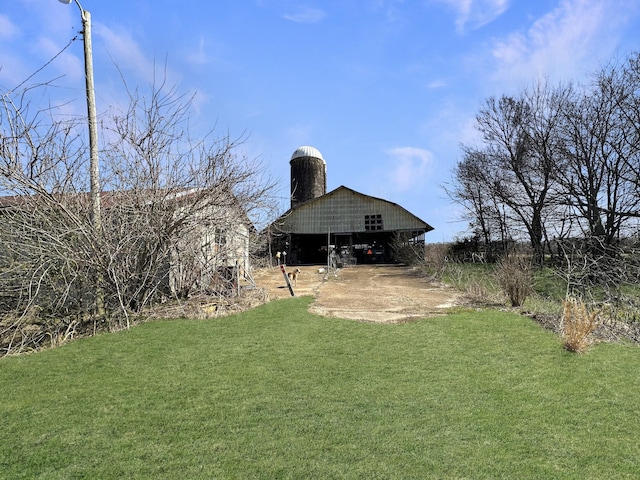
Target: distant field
{"type": "Point", "coordinates": [279, 393]}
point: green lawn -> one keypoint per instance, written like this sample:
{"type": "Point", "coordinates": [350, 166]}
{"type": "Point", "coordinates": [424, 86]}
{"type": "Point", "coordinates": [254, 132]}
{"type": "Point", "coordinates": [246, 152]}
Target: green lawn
{"type": "Point", "coordinates": [279, 393]}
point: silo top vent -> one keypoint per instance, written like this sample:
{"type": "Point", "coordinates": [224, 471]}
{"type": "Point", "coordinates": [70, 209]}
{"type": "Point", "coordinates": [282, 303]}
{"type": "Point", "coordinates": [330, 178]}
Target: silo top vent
{"type": "Point", "coordinates": [306, 151]}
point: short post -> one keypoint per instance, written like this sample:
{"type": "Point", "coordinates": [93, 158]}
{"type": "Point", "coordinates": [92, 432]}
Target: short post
{"type": "Point", "coordinates": [286, 279]}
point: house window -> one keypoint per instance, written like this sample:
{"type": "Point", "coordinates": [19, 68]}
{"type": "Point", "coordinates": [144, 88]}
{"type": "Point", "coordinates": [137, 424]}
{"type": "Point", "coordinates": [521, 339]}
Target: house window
{"type": "Point", "coordinates": [220, 240]}
{"type": "Point", "coordinates": [373, 222]}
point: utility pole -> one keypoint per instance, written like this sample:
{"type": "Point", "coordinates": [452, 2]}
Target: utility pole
{"type": "Point", "coordinates": [94, 167]}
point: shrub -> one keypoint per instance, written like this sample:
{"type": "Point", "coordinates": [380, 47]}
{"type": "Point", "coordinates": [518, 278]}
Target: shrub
{"type": "Point", "coordinates": [405, 251]}
{"type": "Point", "coordinates": [514, 277]}
{"type": "Point", "coordinates": [577, 324]}
{"type": "Point", "coordinates": [435, 258]}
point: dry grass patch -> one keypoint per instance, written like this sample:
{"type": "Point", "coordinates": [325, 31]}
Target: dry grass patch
{"type": "Point", "coordinates": [577, 325]}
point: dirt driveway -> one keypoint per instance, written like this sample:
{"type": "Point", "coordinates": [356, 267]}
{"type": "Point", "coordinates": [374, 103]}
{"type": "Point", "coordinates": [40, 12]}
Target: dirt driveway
{"type": "Point", "coordinates": [374, 293]}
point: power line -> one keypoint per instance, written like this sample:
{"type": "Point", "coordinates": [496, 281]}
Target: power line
{"type": "Point", "coordinates": [43, 66]}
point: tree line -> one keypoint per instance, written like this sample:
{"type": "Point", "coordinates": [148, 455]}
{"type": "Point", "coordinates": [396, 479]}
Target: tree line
{"type": "Point", "coordinates": [557, 166]}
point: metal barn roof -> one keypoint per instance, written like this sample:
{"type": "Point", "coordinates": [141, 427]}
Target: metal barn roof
{"type": "Point", "coordinates": [344, 210]}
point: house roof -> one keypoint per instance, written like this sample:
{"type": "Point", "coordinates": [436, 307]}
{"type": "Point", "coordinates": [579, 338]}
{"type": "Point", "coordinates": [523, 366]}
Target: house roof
{"type": "Point", "coordinates": [110, 199]}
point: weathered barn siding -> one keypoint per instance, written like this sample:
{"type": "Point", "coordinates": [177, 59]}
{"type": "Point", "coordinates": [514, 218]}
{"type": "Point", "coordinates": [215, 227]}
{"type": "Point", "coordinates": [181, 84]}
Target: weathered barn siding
{"type": "Point", "coordinates": [345, 211]}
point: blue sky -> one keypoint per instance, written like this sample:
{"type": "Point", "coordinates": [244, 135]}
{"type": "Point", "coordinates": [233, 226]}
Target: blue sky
{"type": "Point", "coordinates": [387, 90]}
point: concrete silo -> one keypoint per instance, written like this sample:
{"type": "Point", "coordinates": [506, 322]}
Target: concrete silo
{"type": "Point", "coordinates": [308, 175]}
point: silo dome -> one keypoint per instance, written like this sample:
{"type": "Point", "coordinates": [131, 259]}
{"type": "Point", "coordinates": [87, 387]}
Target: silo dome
{"type": "Point", "coordinates": [307, 151]}
{"type": "Point", "coordinates": [308, 175]}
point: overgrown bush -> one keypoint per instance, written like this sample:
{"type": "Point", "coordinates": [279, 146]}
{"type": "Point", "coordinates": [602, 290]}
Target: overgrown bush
{"type": "Point", "coordinates": [174, 221]}
{"type": "Point", "coordinates": [577, 324]}
{"type": "Point", "coordinates": [435, 258]}
{"type": "Point", "coordinates": [514, 276]}
{"type": "Point", "coordinates": [406, 251]}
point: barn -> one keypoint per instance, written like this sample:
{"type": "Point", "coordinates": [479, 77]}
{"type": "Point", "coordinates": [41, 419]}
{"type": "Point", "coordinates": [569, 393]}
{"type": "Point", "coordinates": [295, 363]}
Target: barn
{"type": "Point", "coordinates": [345, 224]}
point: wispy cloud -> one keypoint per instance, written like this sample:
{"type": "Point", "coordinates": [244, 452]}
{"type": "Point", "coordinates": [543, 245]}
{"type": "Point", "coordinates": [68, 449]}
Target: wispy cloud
{"type": "Point", "coordinates": [127, 54]}
{"type": "Point", "coordinates": [124, 50]}
{"type": "Point", "coordinates": [198, 56]}
{"type": "Point", "coordinates": [206, 52]}
{"type": "Point", "coordinates": [409, 167]}
{"type": "Point", "coordinates": [306, 15]}
{"type": "Point", "coordinates": [67, 63]}
{"type": "Point", "coordinates": [574, 37]}
{"type": "Point", "coordinates": [474, 14]}
{"type": "Point", "coordinates": [7, 29]}
{"type": "Point", "coordinates": [298, 134]}
{"type": "Point", "coordinates": [435, 84]}
{"type": "Point", "coordinates": [52, 60]}
{"type": "Point", "coordinates": [390, 8]}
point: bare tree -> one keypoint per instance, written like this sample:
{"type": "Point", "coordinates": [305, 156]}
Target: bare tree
{"type": "Point", "coordinates": [627, 80]}
{"type": "Point", "coordinates": [176, 217]}
{"type": "Point", "coordinates": [178, 189]}
{"type": "Point", "coordinates": [598, 181]}
{"type": "Point", "coordinates": [470, 189]}
{"type": "Point", "coordinates": [520, 158]}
